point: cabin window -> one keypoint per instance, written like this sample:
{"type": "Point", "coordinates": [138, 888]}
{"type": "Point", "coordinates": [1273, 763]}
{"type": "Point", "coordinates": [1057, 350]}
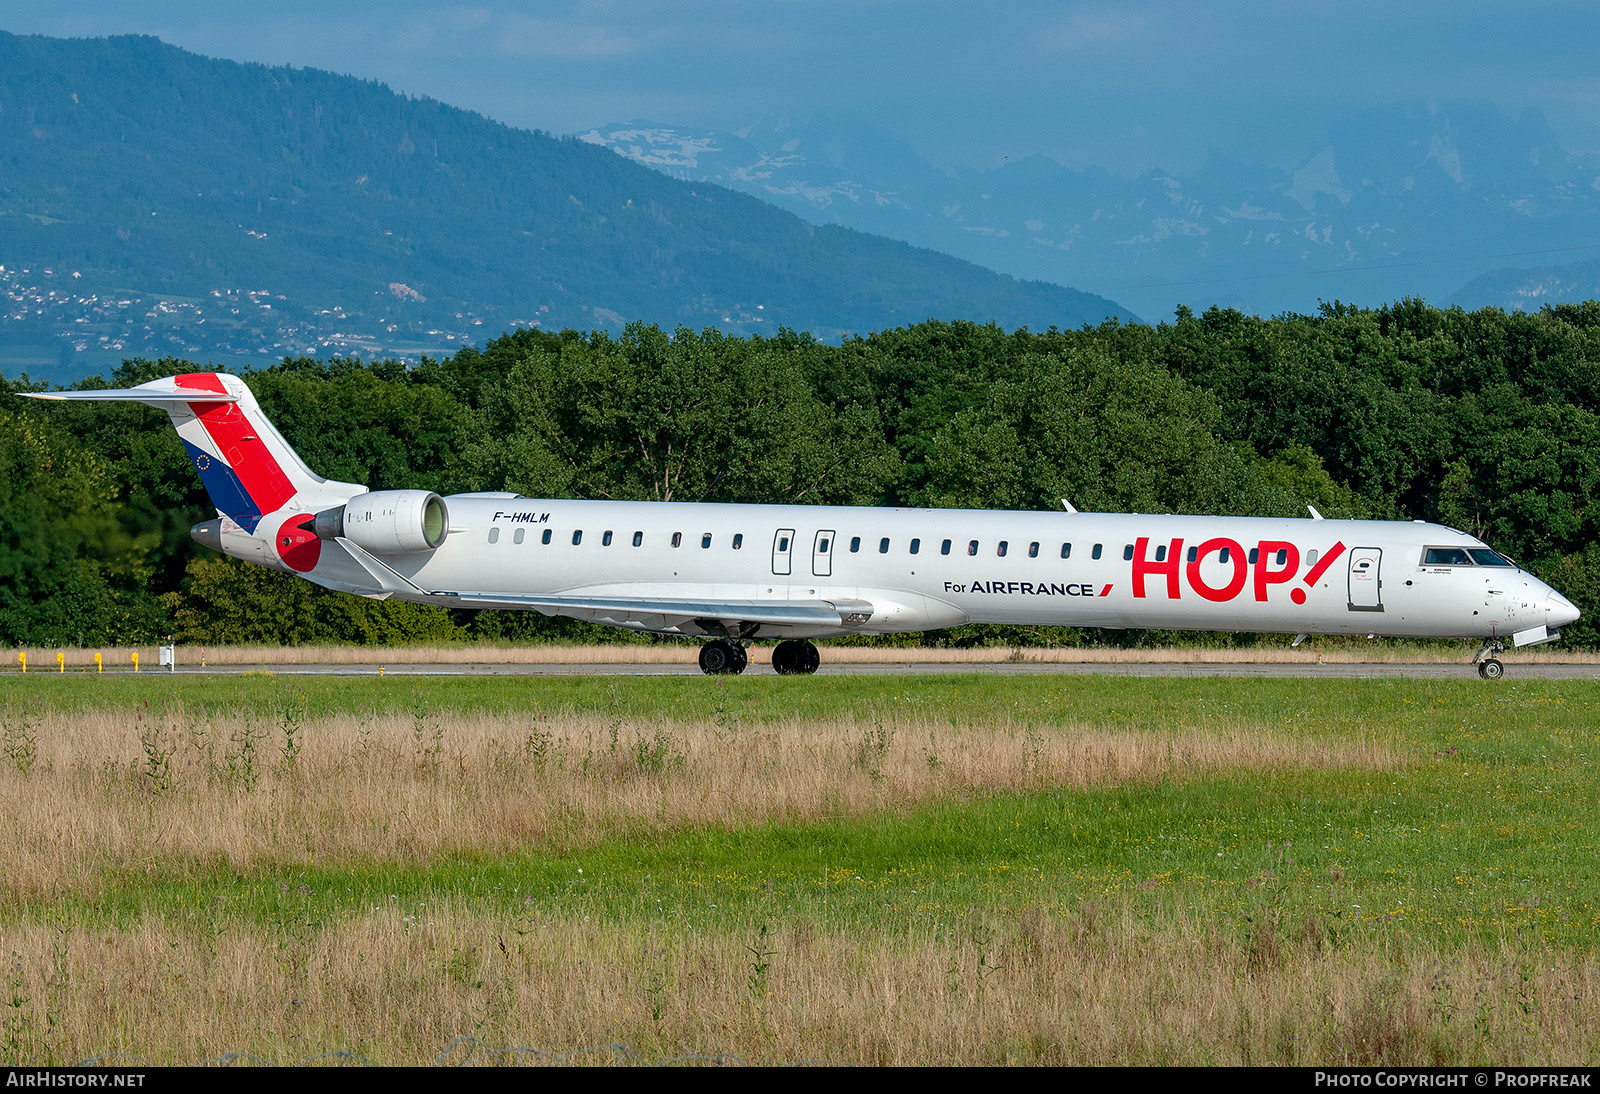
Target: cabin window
{"type": "Point", "coordinates": [577, 538]}
{"type": "Point", "coordinates": [516, 537]}
{"type": "Point", "coordinates": [1283, 556]}
{"type": "Point", "coordinates": [972, 548]}
{"type": "Point", "coordinates": [1311, 557]}
{"type": "Point", "coordinates": [677, 539]}
{"type": "Point", "coordinates": [605, 540]}
{"type": "Point", "coordinates": [1194, 553]}
{"type": "Point", "coordinates": [1222, 555]}
{"type": "Point", "coordinates": [855, 544]}
{"type": "Point", "coordinates": [1446, 556]}
{"type": "Point", "coordinates": [916, 545]}
{"type": "Point", "coordinates": [1001, 549]}
{"type": "Point", "coordinates": [1033, 550]}
{"type": "Point", "coordinates": [783, 544]}
{"type": "Point", "coordinates": [705, 542]}
{"type": "Point", "coordinates": [822, 546]}
{"type": "Point", "coordinates": [883, 545]}
{"type": "Point", "coordinates": [738, 540]}
{"type": "Point", "coordinates": [1255, 553]}
{"type": "Point", "coordinates": [494, 535]}
{"type": "Point", "coordinates": [638, 539]}
{"type": "Point", "coordinates": [944, 548]}
{"type": "Point", "coordinates": [1127, 553]}
{"type": "Point", "coordinates": [1161, 553]}
{"type": "Point", "coordinates": [1096, 552]}
{"type": "Point", "coordinates": [545, 539]}
{"type": "Point", "coordinates": [1066, 550]}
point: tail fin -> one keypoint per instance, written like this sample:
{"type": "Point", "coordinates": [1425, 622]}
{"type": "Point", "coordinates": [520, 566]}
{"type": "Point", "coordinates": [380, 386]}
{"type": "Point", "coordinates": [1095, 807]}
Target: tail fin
{"type": "Point", "coordinates": [246, 466]}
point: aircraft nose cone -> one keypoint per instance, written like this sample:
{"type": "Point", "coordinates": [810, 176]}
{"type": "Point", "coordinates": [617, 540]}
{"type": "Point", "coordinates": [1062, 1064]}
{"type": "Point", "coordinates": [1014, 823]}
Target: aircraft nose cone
{"type": "Point", "coordinates": [1559, 610]}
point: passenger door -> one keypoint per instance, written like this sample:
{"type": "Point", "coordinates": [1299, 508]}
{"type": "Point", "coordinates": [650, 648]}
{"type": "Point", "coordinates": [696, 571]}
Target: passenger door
{"type": "Point", "coordinates": [1366, 588]}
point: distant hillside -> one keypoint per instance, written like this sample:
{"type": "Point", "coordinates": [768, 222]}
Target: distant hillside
{"type": "Point", "coordinates": [356, 217]}
{"type": "Point", "coordinates": [1405, 200]}
{"type": "Point", "coordinates": [1530, 290]}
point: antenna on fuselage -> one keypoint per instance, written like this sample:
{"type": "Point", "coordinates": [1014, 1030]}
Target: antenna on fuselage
{"type": "Point", "coordinates": [1314, 514]}
{"type": "Point", "coordinates": [1067, 505]}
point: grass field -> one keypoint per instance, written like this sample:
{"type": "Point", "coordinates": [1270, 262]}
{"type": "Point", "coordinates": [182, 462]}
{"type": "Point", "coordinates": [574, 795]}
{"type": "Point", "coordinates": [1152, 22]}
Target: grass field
{"type": "Point", "coordinates": [1275, 649]}
{"type": "Point", "coordinates": [951, 869]}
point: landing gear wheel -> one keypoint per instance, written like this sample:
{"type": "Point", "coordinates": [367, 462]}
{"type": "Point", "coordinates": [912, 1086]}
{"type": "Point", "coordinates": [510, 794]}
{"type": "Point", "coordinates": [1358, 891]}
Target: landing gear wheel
{"type": "Point", "coordinates": [791, 658]}
{"type": "Point", "coordinates": [721, 656]}
{"type": "Point", "coordinates": [785, 658]}
{"type": "Point", "coordinates": [1489, 666]}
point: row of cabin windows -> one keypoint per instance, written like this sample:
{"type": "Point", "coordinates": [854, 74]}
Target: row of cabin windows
{"type": "Point", "coordinates": [1002, 548]}
{"type": "Point", "coordinates": [606, 538]}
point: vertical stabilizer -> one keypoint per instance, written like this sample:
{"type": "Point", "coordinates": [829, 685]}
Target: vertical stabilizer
{"type": "Point", "coordinates": [246, 466]}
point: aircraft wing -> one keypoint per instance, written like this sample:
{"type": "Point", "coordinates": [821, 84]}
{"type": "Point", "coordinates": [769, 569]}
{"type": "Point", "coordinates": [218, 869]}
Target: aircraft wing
{"type": "Point", "coordinates": [707, 616]}
{"type": "Point", "coordinates": [370, 576]}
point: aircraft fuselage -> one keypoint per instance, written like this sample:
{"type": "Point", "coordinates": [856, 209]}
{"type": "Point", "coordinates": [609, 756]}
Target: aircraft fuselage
{"type": "Point", "coordinates": [921, 569]}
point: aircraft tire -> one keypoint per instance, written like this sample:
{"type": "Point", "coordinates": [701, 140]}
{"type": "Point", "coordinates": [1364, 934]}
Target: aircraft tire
{"type": "Point", "coordinates": [809, 658]}
{"type": "Point", "coordinates": [717, 658]}
{"type": "Point", "coordinates": [785, 658]}
{"type": "Point", "coordinates": [1491, 669]}
{"type": "Point", "coordinates": [741, 658]}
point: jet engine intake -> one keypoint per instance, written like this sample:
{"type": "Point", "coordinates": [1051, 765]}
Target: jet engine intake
{"type": "Point", "coordinates": [388, 522]}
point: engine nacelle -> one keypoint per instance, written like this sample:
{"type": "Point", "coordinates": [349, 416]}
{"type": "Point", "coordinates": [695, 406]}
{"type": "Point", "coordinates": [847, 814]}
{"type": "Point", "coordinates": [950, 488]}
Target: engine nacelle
{"type": "Point", "coordinates": [388, 522]}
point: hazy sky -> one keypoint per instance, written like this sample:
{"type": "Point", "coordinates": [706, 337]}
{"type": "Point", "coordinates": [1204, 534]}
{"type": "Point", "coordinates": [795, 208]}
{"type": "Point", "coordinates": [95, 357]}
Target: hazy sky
{"type": "Point", "coordinates": [1126, 85]}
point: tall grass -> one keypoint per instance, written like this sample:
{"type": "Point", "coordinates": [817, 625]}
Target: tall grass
{"type": "Point", "coordinates": [904, 870]}
{"type": "Point", "coordinates": [152, 788]}
{"type": "Point", "coordinates": [1096, 985]}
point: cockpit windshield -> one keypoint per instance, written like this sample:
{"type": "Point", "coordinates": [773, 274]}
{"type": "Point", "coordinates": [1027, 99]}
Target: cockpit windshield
{"type": "Point", "coordinates": [1462, 556]}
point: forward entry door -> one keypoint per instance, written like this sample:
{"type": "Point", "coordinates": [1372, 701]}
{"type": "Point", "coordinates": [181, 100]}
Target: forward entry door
{"type": "Point", "coordinates": [1366, 588]}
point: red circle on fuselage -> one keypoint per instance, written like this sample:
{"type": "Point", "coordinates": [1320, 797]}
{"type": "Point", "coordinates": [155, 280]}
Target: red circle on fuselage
{"type": "Point", "coordinates": [300, 549]}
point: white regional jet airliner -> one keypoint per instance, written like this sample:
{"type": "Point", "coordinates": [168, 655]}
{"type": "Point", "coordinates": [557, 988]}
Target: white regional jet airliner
{"type": "Point", "coordinates": [796, 572]}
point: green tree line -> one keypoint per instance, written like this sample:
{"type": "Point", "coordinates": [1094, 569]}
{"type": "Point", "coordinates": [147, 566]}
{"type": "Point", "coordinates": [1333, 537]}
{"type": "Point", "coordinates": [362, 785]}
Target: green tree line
{"type": "Point", "coordinates": [1486, 421]}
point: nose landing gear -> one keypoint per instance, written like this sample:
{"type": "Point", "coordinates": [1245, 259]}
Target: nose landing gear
{"type": "Point", "coordinates": [1489, 667]}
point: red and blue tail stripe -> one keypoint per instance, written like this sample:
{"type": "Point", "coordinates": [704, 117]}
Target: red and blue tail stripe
{"type": "Point", "coordinates": [246, 482]}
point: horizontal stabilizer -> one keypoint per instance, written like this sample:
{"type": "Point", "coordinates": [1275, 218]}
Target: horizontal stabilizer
{"type": "Point", "coordinates": [155, 393]}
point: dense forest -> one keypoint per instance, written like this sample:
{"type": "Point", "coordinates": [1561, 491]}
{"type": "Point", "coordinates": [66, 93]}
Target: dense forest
{"type": "Point", "coordinates": [1484, 420]}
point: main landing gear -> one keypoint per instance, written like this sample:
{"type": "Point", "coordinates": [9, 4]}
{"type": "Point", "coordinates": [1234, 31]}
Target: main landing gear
{"type": "Point", "coordinates": [795, 658]}
{"type": "Point", "coordinates": [722, 656]}
{"type": "Point", "coordinates": [1490, 667]}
